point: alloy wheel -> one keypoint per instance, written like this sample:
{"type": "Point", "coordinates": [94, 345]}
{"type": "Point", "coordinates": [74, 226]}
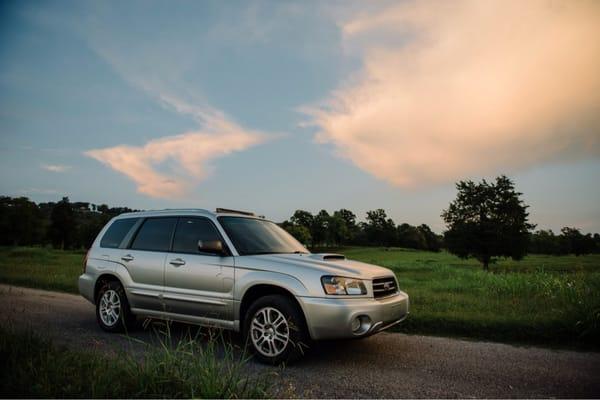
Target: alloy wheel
{"type": "Point", "coordinates": [110, 307]}
{"type": "Point", "coordinates": [269, 331]}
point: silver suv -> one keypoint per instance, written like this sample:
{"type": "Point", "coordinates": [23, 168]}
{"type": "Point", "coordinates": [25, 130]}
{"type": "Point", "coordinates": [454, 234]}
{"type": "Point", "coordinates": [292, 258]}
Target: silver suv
{"type": "Point", "coordinates": [233, 270]}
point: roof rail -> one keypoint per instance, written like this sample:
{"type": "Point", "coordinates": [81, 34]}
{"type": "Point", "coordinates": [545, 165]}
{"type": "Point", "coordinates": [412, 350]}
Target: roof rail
{"type": "Point", "coordinates": [229, 211]}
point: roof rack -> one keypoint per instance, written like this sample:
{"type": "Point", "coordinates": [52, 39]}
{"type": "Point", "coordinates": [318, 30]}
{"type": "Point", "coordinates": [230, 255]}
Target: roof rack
{"type": "Point", "coordinates": [229, 211]}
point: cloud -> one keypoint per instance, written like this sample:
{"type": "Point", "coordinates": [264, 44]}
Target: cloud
{"type": "Point", "coordinates": [458, 89]}
{"type": "Point", "coordinates": [162, 65]}
{"type": "Point", "coordinates": [188, 155]}
{"type": "Point", "coordinates": [55, 168]}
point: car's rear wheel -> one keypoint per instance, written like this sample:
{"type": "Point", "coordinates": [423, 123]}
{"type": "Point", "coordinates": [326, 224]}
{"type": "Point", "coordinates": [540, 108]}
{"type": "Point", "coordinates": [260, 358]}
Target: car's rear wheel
{"type": "Point", "coordinates": [112, 308]}
{"type": "Point", "coordinates": [274, 329]}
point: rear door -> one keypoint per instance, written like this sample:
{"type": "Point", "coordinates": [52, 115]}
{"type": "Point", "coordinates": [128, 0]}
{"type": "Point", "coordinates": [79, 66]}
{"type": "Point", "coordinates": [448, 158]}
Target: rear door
{"type": "Point", "coordinates": [145, 262]}
{"type": "Point", "coordinates": [198, 284]}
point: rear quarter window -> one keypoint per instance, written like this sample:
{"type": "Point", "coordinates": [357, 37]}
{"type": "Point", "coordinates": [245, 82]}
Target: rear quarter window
{"type": "Point", "coordinates": [116, 232]}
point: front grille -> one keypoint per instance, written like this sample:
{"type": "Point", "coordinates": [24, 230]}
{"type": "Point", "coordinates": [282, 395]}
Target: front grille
{"type": "Point", "coordinates": [383, 287]}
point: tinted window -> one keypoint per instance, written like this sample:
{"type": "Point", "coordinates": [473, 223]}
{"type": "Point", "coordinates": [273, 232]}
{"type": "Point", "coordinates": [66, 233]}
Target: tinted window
{"type": "Point", "coordinates": [155, 234]}
{"type": "Point", "coordinates": [258, 236]}
{"type": "Point", "coordinates": [189, 231]}
{"type": "Point", "coordinates": [116, 232]}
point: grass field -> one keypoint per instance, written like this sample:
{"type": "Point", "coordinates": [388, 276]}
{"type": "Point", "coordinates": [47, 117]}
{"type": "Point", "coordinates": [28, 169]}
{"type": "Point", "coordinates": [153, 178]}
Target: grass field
{"type": "Point", "coordinates": [542, 299]}
{"type": "Point", "coordinates": [33, 367]}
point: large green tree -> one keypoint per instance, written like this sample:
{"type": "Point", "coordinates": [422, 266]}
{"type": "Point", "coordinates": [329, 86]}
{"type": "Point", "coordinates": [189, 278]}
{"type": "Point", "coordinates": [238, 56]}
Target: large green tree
{"type": "Point", "coordinates": [487, 220]}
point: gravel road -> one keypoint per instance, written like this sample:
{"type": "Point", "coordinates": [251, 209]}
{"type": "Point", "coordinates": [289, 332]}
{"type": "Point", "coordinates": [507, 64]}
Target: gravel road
{"type": "Point", "coordinates": [385, 365]}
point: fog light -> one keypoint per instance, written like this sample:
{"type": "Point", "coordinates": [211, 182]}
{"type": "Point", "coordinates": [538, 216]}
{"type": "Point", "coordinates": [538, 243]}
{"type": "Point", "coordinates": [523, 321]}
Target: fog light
{"type": "Point", "coordinates": [356, 324]}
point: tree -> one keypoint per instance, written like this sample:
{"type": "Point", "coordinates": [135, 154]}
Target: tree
{"type": "Point", "coordinates": [62, 225]}
{"type": "Point", "coordinates": [320, 228]}
{"type": "Point", "coordinates": [379, 228]}
{"type": "Point", "coordinates": [432, 241]}
{"type": "Point", "coordinates": [301, 233]}
{"type": "Point", "coordinates": [487, 220]}
{"type": "Point", "coordinates": [350, 226]}
{"type": "Point", "coordinates": [21, 222]}
{"type": "Point", "coordinates": [576, 242]}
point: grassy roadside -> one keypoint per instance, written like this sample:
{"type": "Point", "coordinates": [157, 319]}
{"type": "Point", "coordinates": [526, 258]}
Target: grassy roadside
{"type": "Point", "coordinates": [41, 268]}
{"type": "Point", "coordinates": [540, 300]}
{"type": "Point", "coordinates": [34, 367]}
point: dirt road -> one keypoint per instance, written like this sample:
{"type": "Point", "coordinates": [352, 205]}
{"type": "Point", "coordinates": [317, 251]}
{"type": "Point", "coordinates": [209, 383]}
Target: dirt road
{"type": "Point", "coordinates": [385, 365]}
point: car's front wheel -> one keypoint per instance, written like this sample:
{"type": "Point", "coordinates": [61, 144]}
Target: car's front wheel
{"type": "Point", "coordinates": [112, 308]}
{"type": "Point", "coordinates": [275, 330]}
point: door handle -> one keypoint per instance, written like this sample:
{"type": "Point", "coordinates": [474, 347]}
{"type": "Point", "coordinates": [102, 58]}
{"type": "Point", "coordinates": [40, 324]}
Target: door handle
{"type": "Point", "coordinates": [127, 257]}
{"type": "Point", "coordinates": [178, 262]}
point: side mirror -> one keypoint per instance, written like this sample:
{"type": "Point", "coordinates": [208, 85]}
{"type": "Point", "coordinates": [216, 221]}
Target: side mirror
{"type": "Point", "coordinates": [210, 246]}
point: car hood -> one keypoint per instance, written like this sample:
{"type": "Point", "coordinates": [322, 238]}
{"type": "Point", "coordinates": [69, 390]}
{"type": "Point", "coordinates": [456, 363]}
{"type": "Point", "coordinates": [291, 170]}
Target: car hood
{"type": "Point", "coordinates": [325, 264]}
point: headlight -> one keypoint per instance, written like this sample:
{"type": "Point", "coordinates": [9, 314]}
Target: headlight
{"type": "Point", "coordinates": [341, 285]}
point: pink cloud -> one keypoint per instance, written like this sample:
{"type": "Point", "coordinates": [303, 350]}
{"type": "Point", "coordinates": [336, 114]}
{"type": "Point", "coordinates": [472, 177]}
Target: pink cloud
{"type": "Point", "coordinates": [189, 155]}
{"type": "Point", "coordinates": [450, 90]}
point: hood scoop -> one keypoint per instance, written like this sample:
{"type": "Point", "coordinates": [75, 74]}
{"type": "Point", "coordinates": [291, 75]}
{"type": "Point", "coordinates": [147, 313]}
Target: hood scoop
{"type": "Point", "coordinates": [328, 256]}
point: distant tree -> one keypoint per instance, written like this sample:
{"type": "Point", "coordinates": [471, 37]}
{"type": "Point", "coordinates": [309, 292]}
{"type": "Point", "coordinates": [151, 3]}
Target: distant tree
{"type": "Point", "coordinates": [21, 222]}
{"type": "Point", "coordinates": [62, 225]}
{"type": "Point", "coordinates": [301, 233]}
{"type": "Point", "coordinates": [350, 226]}
{"type": "Point", "coordinates": [380, 229]}
{"type": "Point", "coordinates": [487, 220]}
{"type": "Point", "coordinates": [546, 242]}
{"type": "Point", "coordinates": [302, 218]}
{"type": "Point", "coordinates": [320, 228]}
{"type": "Point", "coordinates": [337, 230]}
{"type": "Point", "coordinates": [410, 237]}
{"type": "Point", "coordinates": [576, 242]}
{"type": "Point", "coordinates": [432, 241]}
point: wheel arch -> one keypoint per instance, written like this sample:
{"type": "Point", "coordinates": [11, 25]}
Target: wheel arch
{"type": "Point", "coordinates": [259, 290]}
{"type": "Point", "coordinates": [102, 279]}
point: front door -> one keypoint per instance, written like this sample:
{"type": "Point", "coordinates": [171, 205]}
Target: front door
{"type": "Point", "coordinates": [198, 284]}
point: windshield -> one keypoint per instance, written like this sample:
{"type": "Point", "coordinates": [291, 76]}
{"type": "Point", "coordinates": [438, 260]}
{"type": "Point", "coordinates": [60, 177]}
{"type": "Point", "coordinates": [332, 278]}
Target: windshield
{"type": "Point", "coordinates": [257, 236]}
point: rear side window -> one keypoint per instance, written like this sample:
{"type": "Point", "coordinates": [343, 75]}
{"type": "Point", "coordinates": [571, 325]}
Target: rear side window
{"type": "Point", "coordinates": [116, 232]}
{"type": "Point", "coordinates": [155, 234]}
{"type": "Point", "coordinates": [189, 231]}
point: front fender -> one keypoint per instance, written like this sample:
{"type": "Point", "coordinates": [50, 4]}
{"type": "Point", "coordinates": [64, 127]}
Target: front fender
{"type": "Point", "coordinates": [246, 278]}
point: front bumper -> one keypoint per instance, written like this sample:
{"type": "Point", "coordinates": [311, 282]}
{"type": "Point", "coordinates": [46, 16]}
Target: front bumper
{"type": "Point", "coordinates": [331, 318]}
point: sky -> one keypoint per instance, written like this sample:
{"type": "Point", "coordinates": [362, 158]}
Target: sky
{"type": "Point", "coordinates": [277, 106]}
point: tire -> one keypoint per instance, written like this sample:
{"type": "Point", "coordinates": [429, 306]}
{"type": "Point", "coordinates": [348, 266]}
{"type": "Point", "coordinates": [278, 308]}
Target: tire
{"type": "Point", "coordinates": [112, 308]}
{"type": "Point", "coordinates": [275, 331]}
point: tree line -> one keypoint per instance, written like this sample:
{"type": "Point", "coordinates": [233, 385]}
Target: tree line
{"type": "Point", "coordinates": [62, 224]}
{"type": "Point", "coordinates": [74, 225]}
{"type": "Point", "coordinates": [341, 228]}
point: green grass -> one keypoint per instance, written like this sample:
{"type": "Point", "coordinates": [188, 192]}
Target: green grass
{"type": "Point", "coordinates": [34, 367]}
{"type": "Point", "coordinates": [541, 299]}
{"type": "Point", "coordinates": [41, 268]}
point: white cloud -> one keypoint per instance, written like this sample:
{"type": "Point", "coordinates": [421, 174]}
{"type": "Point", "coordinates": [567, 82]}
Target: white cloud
{"type": "Point", "coordinates": [55, 168]}
{"type": "Point", "coordinates": [189, 154]}
{"type": "Point", "coordinates": [457, 89]}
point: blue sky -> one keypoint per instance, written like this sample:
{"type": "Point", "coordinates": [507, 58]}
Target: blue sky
{"type": "Point", "coordinates": [276, 106]}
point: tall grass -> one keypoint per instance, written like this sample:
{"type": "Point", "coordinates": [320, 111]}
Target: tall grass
{"type": "Point", "coordinates": [191, 368]}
